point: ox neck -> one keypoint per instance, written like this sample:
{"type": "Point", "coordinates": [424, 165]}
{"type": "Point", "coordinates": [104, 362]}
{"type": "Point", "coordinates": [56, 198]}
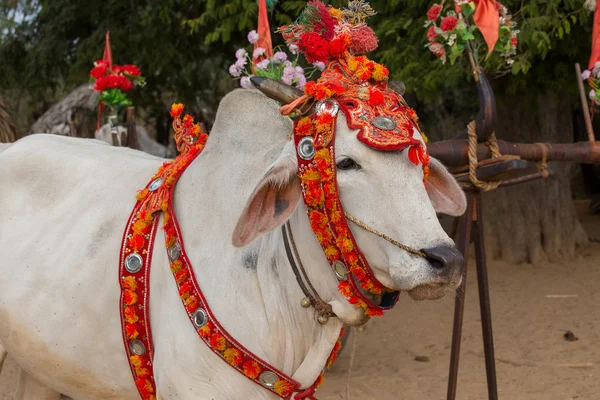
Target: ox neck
{"type": "Point", "coordinates": [256, 284]}
{"type": "Point", "coordinates": [306, 344]}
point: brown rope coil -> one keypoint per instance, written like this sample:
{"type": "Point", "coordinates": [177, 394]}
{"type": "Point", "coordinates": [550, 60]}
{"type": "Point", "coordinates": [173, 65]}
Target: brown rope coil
{"type": "Point", "coordinates": [493, 145]}
{"type": "Point", "coordinates": [542, 166]}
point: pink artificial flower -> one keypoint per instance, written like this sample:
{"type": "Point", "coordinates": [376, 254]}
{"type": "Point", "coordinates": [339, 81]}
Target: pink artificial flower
{"type": "Point", "coordinates": [235, 70]}
{"type": "Point", "coordinates": [279, 57]}
{"type": "Point", "coordinates": [252, 37]}
{"type": "Point", "coordinates": [241, 53]}
{"type": "Point", "coordinates": [585, 74]}
{"type": "Point", "coordinates": [263, 64]}
{"type": "Point", "coordinates": [245, 82]}
{"type": "Point", "coordinates": [259, 51]}
{"type": "Point", "coordinates": [320, 65]}
{"type": "Point", "coordinates": [301, 81]}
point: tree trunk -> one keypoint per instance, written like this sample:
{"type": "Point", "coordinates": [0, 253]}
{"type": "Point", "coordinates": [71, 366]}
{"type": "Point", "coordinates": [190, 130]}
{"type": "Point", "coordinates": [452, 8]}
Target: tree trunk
{"type": "Point", "coordinates": [7, 128]}
{"type": "Point", "coordinates": [536, 221]}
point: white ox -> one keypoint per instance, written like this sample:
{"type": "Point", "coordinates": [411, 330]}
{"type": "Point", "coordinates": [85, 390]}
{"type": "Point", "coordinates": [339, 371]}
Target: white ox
{"type": "Point", "coordinates": [64, 203]}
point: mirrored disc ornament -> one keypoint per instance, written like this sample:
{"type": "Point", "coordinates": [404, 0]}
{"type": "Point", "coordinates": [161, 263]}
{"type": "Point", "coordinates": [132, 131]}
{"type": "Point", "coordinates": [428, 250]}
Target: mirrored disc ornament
{"type": "Point", "coordinates": [200, 318]}
{"type": "Point", "coordinates": [268, 379]}
{"type": "Point", "coordinates": [155, 184]}
{"type": "Point", "coordinates": [133, 262]}
{"type": "Point", "coordinates": [136, 347]}
{"type": "Point", "coordinates": [340, 270]}
{"type": "Point", "coordinates": [385, 123]}
{"type": "Point", "coordinates": [306, 148]}
{"type": "Point", "coordinates": [174, 252]}
{"type": "Point", "coordinates": [328, 105]}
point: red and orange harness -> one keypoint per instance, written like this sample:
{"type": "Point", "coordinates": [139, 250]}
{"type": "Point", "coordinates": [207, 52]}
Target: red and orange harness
{"type": "Point", "coordinates": [134, 277]}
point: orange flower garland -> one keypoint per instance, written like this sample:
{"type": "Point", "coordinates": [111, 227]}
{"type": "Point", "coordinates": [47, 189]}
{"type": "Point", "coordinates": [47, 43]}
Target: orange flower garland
{"type": "Point", "coordinates": [138, 240]}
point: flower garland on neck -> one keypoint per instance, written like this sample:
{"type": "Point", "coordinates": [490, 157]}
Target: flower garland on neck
{"type": "Point", "coordinates": [361, 103]}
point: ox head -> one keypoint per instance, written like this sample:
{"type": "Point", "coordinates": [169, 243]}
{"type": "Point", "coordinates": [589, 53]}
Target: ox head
{"type": "Point", "coordinates": [385, 190]}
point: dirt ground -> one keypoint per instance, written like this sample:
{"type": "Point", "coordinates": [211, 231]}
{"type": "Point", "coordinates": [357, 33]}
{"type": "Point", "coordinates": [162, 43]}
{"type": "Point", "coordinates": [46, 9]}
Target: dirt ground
{"type": "Point", "coordinates": [534, 361]}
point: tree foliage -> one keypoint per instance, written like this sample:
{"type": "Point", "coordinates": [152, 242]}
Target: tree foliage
{"type": "Point", "coordinates": [185, 46]}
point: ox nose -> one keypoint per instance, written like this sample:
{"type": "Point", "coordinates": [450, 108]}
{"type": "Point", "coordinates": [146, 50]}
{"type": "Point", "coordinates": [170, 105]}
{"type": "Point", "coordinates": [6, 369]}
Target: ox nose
{"type": "Point", "coordinates": [445, 260]}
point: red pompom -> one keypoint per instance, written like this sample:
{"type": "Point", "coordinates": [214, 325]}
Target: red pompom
{"type": "Point", "coordinates": [314, 47]}
{"type": "Point", "coordinates": [375, 97]}
{"type": "Point", "coordinates": [364, 40]}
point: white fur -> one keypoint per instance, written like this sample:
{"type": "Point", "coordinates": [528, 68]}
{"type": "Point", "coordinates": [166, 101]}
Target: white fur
{"type": "Point", "coordinates": [64, 203]}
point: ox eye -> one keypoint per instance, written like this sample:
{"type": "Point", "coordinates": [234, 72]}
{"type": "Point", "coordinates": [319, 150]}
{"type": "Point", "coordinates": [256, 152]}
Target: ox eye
{"type": "Point", "coordinates": [346, 164]}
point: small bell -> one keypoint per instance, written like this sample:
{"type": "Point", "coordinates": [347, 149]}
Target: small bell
{"type": "Point", "coordinates": [305, 302]}
{"type": "Point", "coordinates": [323, 319]}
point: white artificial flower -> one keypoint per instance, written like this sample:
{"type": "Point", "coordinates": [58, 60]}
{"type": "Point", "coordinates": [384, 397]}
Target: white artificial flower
{"type": "Point", "coordinates": [293, 48]}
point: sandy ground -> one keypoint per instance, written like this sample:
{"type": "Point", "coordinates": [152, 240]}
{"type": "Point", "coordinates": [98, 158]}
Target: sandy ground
{"type": "Point", "coordinates": [534, 361]}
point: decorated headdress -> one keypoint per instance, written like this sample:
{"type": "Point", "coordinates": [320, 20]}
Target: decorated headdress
{"type": "Point", "coordinates": [358, 86]}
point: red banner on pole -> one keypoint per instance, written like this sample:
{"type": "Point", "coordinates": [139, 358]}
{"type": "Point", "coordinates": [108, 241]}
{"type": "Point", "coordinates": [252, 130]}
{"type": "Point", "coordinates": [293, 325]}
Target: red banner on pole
{"type": "Point", "coordinates": [595, 56]}
{"type": "Point", "coordinates": [106, 57]}
{"type": "Point", "coordinates": [487, 20]}
{"type": "Point", "coordinates": [264, 31]}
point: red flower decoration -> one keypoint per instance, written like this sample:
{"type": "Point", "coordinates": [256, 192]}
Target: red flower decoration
{"type": "Point", "coordinates": [137, 242]}
{"type": "Point", "coordinates": [132, 70]}
{"type": "Point", "coordinates": [432, 34]}
{"type": "Point", "coordinates": [437, 49]}
{"type": "Point", "coordinates": [449, 23]}
{"type": "Point", "coordinates": [251, 369]}
{"type": "Point", "coordinates": [434, 12]}
{"type": "Point", "coordinates": [99, 71]}
{"type": "Point", "coordinates": [514, 41]}
{"type": "Point", "coordinates": [218, 342]}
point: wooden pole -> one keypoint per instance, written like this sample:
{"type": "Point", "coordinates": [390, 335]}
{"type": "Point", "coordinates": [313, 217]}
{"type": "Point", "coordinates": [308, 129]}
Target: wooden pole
{"type": "Point", "coordinates": [454, 153]}
{"type": "Point", "coordinates": [584, 105]}
{"type": "Point", "coordinates": [132, 139]}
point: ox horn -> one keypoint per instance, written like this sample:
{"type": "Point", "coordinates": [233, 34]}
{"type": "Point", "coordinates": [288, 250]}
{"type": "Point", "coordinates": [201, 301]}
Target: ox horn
{"type": "Point", "coordinates": [486, 118]}
{"type": "Point", "coordinates": [398, 87]}
{"type": "Point", "coordinates": [276, 90]}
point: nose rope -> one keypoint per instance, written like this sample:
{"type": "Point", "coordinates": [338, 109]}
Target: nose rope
{"type": "Point", "coordinates": [385, 237]}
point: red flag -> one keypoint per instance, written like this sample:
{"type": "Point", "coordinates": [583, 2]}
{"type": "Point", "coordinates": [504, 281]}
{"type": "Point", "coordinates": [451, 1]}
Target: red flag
{"type": "Point", "coordinates": [106, 57]}
{"type": "Point", "coordinates": [264, 31]}
{"type": "Point", "coordinates": [487, 20]}
{"type": "Point", "coordinates": [107, 52]}
{"type": "Point", "coordinates": [595, 57]}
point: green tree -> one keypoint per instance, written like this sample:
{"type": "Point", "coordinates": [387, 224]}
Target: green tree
{"type": "Point", "coordinates": [185, 46]}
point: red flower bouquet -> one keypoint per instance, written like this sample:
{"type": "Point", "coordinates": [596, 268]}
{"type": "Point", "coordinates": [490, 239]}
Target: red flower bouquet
{"type": "Point", "coordinates": [113, 83]}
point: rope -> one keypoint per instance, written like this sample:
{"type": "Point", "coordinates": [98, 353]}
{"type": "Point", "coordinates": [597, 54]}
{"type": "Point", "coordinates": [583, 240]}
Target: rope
{"type": "Point", "coordinates": [385, 237]}
{"type": "Point", "coordinates": [542, 166]}
{"type": "Point", "coordinates": [321, 307]}
{"type": "Point", "coordinates": [289, 108]}
{"type": "Point", "coordinates": [493, 145]}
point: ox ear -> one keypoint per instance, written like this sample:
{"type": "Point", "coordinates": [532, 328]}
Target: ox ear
{"type": "Point", "coordinates": [272, 201]}
{"type": "Point", "coordinates": [443, 190]}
